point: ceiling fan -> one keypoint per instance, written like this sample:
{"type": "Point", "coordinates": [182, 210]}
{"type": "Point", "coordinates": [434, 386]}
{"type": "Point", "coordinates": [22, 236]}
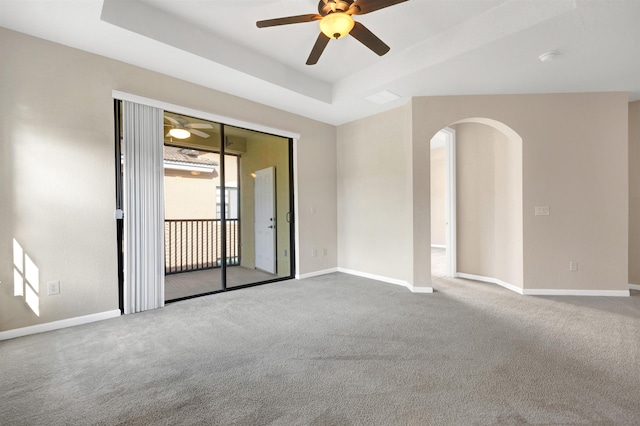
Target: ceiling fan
{"type": "Point", "coordinates": [180, 128]}
{"type": "Point", "coordinates": [336, 22]}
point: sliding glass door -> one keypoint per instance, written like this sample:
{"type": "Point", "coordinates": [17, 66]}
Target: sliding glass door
{"type": "Point", "coordinates": [228, 206]}
{"type": "Point", "coordinates": [228, 214]}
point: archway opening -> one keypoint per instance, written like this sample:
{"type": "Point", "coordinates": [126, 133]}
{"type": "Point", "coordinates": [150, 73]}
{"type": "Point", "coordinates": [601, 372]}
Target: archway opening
{"type": "Point", "coordinates": [476, 203]}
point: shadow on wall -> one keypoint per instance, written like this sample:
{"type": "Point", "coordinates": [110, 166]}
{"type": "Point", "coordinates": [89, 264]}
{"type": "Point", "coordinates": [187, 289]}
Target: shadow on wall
{"type": "Point", "coordinates": [487, 213]}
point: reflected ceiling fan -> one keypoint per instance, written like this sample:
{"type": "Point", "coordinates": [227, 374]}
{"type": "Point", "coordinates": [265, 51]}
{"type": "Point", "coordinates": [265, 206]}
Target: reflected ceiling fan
{"type": "Point", "coordinates": [180, 128]}
{"type": "Point", "coordinates": [336, 22]}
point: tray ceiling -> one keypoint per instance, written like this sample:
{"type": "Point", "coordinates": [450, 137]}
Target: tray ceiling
{"type": "Point", "coordinates": [438, 47]}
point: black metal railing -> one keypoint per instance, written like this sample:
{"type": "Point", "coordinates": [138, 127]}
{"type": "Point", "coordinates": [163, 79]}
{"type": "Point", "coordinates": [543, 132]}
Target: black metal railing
{"type": "Point", "coordinates": [196, 244]}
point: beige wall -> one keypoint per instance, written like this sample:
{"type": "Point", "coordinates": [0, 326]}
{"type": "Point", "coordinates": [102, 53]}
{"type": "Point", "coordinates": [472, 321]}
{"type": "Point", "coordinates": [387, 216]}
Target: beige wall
{"type": "Point", "coordinates": [508, 218]}
{"type": "Point", "coordinates": [489, 203]}
{"type": "Point", "coordinates": [476, 198]}
{"type": "Point", "coordinates": [564, 167]}
{"type": "Point", "coordinates": [438, 206]}
{"type": "Point", "coordinates": [634, 192]}
{"type": "Point", "coordinates": [189, 197]}
{"type": "Point", "coordinates": [193, 197]}
{"type": "Point", "coordinates": [57, 167]}
{"type": "Point", "coordinates": [374, 195]}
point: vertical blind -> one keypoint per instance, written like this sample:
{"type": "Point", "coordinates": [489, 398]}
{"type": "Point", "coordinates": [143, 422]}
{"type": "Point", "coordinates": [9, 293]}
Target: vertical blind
{"type": "Point", "coordinates": [143, 207]}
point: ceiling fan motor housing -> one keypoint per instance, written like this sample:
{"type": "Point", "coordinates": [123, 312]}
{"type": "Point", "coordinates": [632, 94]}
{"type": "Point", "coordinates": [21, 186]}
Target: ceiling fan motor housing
{"type": "Point", "coordinates": [326, 7]}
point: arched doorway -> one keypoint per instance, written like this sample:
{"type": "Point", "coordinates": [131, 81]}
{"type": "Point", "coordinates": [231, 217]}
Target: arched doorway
{"type": "Point", "coordinates": [476, 203]}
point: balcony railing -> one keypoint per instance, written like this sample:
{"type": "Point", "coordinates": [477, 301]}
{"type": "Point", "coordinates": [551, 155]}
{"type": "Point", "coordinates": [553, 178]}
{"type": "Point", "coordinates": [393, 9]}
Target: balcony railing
{"type": "Point", "coordinates": [196, 244]}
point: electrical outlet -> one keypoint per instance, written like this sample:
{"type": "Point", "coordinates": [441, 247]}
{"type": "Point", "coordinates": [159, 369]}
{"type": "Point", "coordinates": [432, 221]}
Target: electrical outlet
{"type": "Point", "coordinates": [324, 251]}
{"type": "Point", "coordinates": [542, 211]}
{"type": "Point", "coordinates": [314, 253]}
{"type": "Point", "coordinates": [53, 287]}
{"type": "Point", "coordinates": [573, 265]}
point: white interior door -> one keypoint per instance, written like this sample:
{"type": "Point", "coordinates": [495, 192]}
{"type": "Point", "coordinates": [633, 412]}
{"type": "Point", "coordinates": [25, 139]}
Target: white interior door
{"type": "Point", "coordinates": [265, 219]}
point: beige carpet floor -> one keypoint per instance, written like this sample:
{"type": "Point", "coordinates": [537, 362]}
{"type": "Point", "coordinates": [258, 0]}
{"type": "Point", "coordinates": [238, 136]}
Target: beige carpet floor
{"type": "Point", "coordinates": [337, 350]}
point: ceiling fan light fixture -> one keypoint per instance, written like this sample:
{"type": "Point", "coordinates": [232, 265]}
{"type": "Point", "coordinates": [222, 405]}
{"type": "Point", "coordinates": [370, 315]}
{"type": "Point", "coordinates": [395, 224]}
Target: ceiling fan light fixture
{"type": "Point", "coordinates": [179, 133]}
{"type": "Point", "coordinates": [336, 25]}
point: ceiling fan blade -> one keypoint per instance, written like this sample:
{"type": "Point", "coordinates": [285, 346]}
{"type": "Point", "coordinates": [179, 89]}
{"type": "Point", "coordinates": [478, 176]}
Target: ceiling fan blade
{"type": "Point", "coordinates": [318, 48]}
{"type": "Point", "coordinates": [369, 39]}
{"type": "Point", "coordinates": [200, 126]}
{"type": "Point", "coordinates": [366, 6]}
{"type": "Point", "coordinates": [172, 120]}
{"type": "Point", "coordinates": [288, 20]}
{"type": "Point", "coordinates": [199, 133]}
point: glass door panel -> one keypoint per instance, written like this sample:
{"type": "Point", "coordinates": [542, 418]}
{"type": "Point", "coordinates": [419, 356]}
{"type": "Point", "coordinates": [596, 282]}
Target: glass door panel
{"type": "Point", "coordinates": [262, 185]}
{"type": "Point", "coordinates": [193, 227]}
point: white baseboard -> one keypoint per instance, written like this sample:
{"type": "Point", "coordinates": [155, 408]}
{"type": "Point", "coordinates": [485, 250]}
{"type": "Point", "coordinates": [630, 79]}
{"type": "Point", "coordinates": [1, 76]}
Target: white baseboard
{"type": "Point", "coordinates": [421, 289]}
{"type": "Point", "coordinates": [316, 273]}
{"type": "Point", "coordinates": [554, 292]}
{"type": "Point", "coordinates": [387, 280]}
{"type": "Point", "coordinates": [375, 277]}
{"type": "Point", "coordinates": [490, 280]}
{"type": "Point", "coordinates": [547, 292]}
{"type": "Point", "coordinates": [438, 246]}
{"type": "Point", "coordinates": [634, 286]}
{"type": "Point", "coordinates": [56, 325]}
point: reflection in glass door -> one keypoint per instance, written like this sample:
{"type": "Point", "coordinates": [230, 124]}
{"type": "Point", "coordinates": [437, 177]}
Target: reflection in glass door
{"type": "Point", "coordinates": [265, 199]}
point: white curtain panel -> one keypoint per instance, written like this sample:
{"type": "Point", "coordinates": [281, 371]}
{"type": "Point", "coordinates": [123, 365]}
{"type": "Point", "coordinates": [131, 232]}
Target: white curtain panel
{"type": "Point", "coordinates": [143, 207]}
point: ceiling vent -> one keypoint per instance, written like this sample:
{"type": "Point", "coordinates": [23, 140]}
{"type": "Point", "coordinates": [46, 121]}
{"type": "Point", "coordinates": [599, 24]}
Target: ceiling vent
{"type": "Point", "coordinates": [383, 97]}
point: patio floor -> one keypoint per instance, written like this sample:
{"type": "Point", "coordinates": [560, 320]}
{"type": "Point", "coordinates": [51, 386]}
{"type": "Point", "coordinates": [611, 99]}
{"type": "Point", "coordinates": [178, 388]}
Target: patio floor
{"type": "Point", "coordinates": [197, 282]}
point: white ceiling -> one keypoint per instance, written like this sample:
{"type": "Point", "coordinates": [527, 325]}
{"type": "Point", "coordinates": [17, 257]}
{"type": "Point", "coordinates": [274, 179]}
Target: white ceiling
{"type": "Point", "coordinates": [438, 47]}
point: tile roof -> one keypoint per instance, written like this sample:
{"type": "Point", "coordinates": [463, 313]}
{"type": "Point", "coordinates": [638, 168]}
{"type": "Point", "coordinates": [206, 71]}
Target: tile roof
{"type": "Point", "coordinates": [186, 155]}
